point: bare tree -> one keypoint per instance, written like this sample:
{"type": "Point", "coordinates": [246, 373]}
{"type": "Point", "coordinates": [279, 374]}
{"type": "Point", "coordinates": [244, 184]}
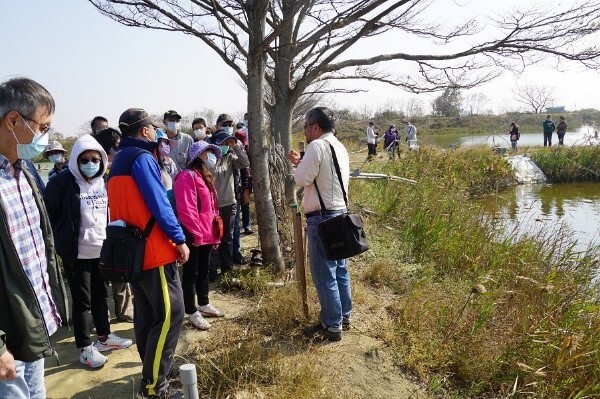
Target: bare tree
{"type": "Point", "coordinates": [307, 41]}
{"type": "Point", "coordinates": [413, 107]}
{"type": "Point", "coordinates": [474, 103]}
{"type": "Point", "coordinates": [536, 97]}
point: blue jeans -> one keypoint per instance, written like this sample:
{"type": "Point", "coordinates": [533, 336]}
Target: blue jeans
{"type": "Point", "coordinates": [29, 383]}
{"type": "Point", "coordinates": [331, 277]}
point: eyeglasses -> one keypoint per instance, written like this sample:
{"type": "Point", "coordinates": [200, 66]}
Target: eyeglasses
{"type": "Point", "coordinates": [85, 161]}
{"type": "Point", "coordinates": [43, 128]}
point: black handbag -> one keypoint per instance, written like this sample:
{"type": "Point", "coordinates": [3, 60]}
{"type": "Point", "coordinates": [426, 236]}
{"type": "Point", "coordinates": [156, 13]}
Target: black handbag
{"type": "Point", "coordinates": [343, 236]}
{"type": "Point", "coordinates": [122, 253]}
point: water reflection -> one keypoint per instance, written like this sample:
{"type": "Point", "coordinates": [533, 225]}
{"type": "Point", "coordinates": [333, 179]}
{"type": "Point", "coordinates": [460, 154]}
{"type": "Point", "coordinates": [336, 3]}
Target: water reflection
{"type": "Point", "coordinates": [585, 135]}
{"type": "Point", "coordinates": [537, 207]}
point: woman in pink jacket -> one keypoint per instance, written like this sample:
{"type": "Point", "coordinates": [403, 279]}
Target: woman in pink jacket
{"type": "Point", "coordinates": [198, 211]}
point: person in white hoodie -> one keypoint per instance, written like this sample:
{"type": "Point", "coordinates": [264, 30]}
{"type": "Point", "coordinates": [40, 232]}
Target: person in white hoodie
{"type": "Point", "coordinates": [77, 205]}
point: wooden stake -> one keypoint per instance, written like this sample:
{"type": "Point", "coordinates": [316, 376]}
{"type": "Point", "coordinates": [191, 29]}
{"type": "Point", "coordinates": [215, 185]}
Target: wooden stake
{"type": "Point", "coordinates": [300, 258]}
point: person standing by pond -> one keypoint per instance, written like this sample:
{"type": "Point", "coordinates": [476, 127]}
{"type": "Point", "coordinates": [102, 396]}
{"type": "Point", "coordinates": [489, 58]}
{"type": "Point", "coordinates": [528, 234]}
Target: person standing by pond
{"type": "Point", "coordinates": [372, 141]}
{"type": "Point", "coordinates": [561, 129]}
{"type": "Point", "coordinates": [514, 135]}
{"type": "Point", "coordinates": [549, 127]}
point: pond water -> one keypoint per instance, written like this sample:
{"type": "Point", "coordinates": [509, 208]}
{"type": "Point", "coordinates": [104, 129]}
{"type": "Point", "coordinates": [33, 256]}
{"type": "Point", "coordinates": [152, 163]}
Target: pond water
{"type": "Point", "coordinates": [586, 135]}
{"type": "Point", "coordinates": [536, 207]}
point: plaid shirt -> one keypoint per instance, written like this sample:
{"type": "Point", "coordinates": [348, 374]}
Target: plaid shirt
{"type": "Point", "coordinates": [23, 219]}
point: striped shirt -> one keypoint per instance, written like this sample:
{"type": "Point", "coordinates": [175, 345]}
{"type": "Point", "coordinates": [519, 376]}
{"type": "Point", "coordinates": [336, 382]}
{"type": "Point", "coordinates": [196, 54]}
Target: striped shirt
{"type": "Point", "coordinates": [23, 220]}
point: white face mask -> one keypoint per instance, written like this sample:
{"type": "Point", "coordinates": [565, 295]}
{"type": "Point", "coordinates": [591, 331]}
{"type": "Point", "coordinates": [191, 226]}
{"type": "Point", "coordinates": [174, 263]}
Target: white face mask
{"type": "Point", "coordinates": [55, 158]}
{"type": "Point", "coordinates": [211, 160]}
{"type": "Point", "coordinates": [200, 134]}
{"type": "Point", "coordinates": [228, 129]}
{"type": "Point", "coordinates": [173, 126]}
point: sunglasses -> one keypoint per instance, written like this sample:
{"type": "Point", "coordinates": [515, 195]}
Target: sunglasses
{"type": "Point", "coordinates": [85, 161]}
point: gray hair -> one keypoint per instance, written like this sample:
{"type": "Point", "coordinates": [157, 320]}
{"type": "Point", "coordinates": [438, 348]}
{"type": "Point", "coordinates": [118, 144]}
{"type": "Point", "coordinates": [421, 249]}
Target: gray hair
{"type": "Point", "coordinates": [24, 96]}
{"type": "Point", "coordinates": [323, 117]}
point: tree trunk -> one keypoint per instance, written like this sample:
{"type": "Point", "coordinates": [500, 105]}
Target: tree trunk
{"type": "Point", "coordinates": [282, 128]}
{"type": "Point", "coordinates": [258, 152]}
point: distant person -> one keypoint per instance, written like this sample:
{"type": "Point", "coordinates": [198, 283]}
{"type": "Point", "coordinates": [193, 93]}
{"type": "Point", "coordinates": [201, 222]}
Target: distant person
{"type": "Point", "coordinates": [514, 135]}
{"type": "Point", "coordinates": [549, 127]}
{"type": "Point", "coordinates": [561, 129]}
{"type": "Point", "coordinates": [371, 141]}
{"type": "Point", "coordinates": [98, 123]}
{"type": "Point", "coordinates": [168, 167]}
{"type": "Point", "coordinates": [182, 141]}
{"type": "Point", "coordinates": [390, 141]}
{"type": "Point", "coordinates": [29, 271]}
{"type": "Point", "coordinates": [245, 182]}
{"type": "Point", "coordinates": [411, 135]}
{"type": "Point", "coordinates": [316, 171]}
{"type": "Point", "coordinates": [136, 195]}
{"type": "Point", "coordinates": [109, 139]}
{"type": "Point", "coordinates": [199, 129]}
{"type": "Point", "coordinates": [197, 208]}
{"type": "Point", "coordinates": [78, 209]}
{"type": "Point", "coordinates": [55, 153]}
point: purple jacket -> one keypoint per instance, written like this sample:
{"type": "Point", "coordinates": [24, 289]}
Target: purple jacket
{"type": "Point", "coordinates": [196, 207]}
{"type": "Point", "coordinates": [388, 138]}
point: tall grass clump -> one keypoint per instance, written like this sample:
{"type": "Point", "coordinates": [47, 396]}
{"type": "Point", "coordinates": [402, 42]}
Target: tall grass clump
{"type": "Point", "coordinates": [567, 164]}
{"type": "Point", "coordinates": [494, 314]}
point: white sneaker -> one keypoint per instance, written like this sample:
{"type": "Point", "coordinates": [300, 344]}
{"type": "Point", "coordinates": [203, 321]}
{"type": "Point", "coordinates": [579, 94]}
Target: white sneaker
{"type": "Point", "coordinates": [91, 357]}
{"type": "Point", "coordinates": [210, 311]}
{"type": "Point", "coordinates": [113, 342]}
{"type": "Point", "coordinates": [199, 322]}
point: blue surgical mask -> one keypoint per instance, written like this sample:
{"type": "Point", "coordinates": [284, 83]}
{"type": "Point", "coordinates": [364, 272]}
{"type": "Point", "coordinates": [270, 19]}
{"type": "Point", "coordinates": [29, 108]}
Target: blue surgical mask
{"type": "Point", "coordinates": [227, 129]}
{"type": "Point", "coordinates": [245, 122]}
{"type": "Point", "coordinates": [33, 149]}
{"type": "Point", "coordinates": [211, 160]}
{"type": "Point", "coordinates": [224, 149]}
{"type": "Point", "coordinates": [89, 169]}
{"type": "Point", "coordinates": [56, 158]}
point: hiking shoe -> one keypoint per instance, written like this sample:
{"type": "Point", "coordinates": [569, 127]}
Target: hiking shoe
{"type": "Point", "coordinates": [317, 331]}
{"type": "Point", "coordinates": [210, 311]}
{"type": "Point", "coordinates": [239, 259]}
{"type": "Point", "coordinates": [91, 357]}
{"type": "Point", "coordinates": [345, 324]}
{"type": "Point", "coordinates": [113, 341]}
{"type": "Point", "coordinates": [248, 232]}
{"type": "Point", "coordinates": [169, 393]}
{"type": "Point", "coordinates": [199, 322]}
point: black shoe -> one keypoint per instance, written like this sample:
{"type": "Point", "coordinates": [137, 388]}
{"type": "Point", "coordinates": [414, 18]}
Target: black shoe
{"type": "Point", "coordinates": [248, 231]}
{"type": "Point", "coordinates": [345, 324]}
{"type": "Point", "coordinates": [319, 332]}
{"type": "Point", "coordinates": [239, 259]}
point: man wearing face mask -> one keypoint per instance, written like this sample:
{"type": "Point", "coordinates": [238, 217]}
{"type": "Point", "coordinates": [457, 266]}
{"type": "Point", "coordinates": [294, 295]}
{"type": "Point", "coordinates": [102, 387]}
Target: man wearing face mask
{"type": "Point", "coordinates": [232, 160]}
{"type": "Point", "coordinates": [137, 196]}
{"type": "Point", "coordinates": [181, 141]}
{"type": "Point", "coordinates": [37, 305]}
{"type": "Point", "coordinates": [200, 131]}
{"type": "Point", "coordinates": [55, 153]}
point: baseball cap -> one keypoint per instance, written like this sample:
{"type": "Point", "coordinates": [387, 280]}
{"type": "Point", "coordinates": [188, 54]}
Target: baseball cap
{"type": "Point", "coordinates": [221, 137]}
{"type": "Point", "coordinates": [134, 118]}
{"type": "Point", "coordinates": [171, 113]}
{"type": "Point", "coordinates": [199, 147]}
{"type": "Point", "coordinates": [224, 118]}
{"type": "Point", "coordinates": [160, 134]}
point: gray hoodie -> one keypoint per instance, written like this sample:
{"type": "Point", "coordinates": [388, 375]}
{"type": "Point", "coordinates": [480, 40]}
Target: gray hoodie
{"type": "Point", "coordinates": [93, 200]}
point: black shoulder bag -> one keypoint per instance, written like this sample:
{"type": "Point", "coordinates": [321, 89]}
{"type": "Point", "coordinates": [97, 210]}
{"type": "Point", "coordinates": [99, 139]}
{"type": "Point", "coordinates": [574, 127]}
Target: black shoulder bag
{"type": "Point", "coordinates": [122, 254]}
{"type": "Point", "coordinates": [343, 236]}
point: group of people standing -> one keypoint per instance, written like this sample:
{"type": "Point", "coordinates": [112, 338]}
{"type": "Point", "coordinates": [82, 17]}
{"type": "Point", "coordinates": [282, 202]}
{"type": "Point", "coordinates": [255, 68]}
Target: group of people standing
{"type": "Point", "coordinates": [125, 176]}
{"type": "Point", "coordinates": [548, 126]}
{"type": "Point", "coordinates": [391, 139]}
{"type": "Point", "coordinates": [111, 175]}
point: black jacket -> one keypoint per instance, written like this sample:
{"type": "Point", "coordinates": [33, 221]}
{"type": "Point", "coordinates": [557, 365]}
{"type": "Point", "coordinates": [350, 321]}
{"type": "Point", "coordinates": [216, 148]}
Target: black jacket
{"type": "Point", "coordinates": [63, 204]}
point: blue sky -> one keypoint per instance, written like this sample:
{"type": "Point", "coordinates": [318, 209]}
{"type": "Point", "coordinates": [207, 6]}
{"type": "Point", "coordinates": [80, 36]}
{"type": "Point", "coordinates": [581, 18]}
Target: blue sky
{"type": "Point", "coordinates": [95, 66]}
